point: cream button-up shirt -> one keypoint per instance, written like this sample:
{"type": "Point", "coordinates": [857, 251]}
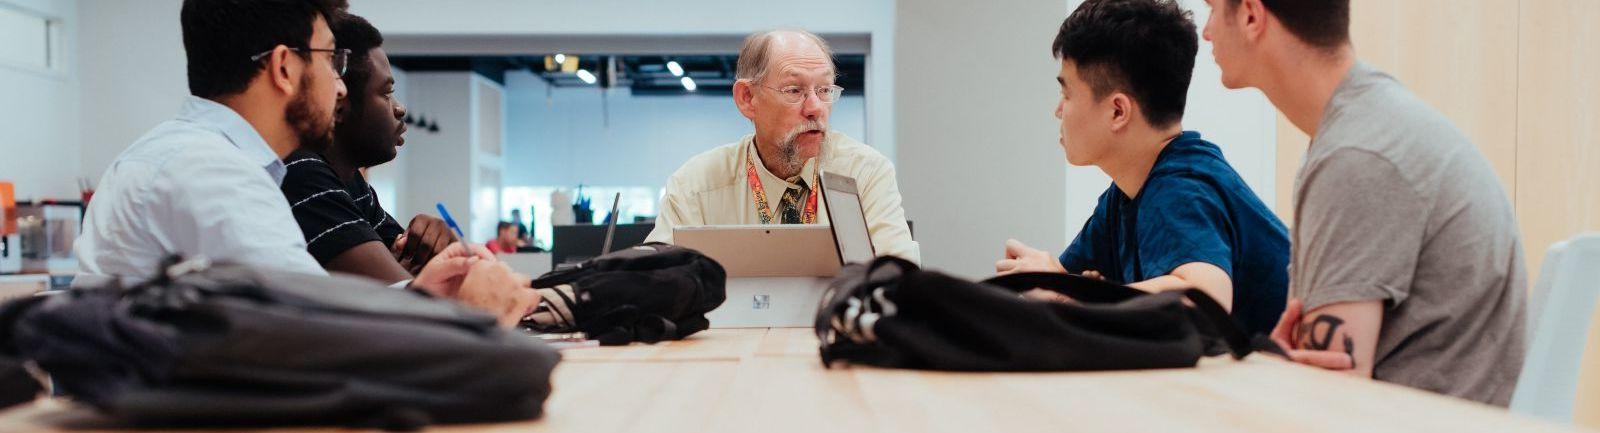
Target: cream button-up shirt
{"type": "Point", "coordinates": [711, 189]}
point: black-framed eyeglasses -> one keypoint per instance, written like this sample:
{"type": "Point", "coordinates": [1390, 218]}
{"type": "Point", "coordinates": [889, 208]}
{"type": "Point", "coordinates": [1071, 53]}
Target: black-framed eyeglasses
{"type": "Point", "coordinates": [340, 59]}
{"type": "Point", "coordinates": [796, 94]}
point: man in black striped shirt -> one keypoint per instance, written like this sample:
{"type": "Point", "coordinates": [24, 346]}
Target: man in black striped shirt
{"type": "Point", "coordinates": [346, 229]}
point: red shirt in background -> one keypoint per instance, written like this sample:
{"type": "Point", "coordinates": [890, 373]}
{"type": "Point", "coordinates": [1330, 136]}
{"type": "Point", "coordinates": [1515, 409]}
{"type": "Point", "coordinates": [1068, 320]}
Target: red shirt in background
{"type": "Point", "coordinates": [499, 248]}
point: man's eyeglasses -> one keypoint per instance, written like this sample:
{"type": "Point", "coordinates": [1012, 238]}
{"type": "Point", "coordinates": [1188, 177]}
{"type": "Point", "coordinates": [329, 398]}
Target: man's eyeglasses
{"type": "Point", "coordinates": [797, 94]}
{"type": "Point", "coordinates": [340, 59]}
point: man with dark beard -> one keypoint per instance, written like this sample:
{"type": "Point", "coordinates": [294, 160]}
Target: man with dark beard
{"type": "Point", "coordinates": [786, 88]}
{"type": "Point", "coordinates": [345, 227]}
{"type": "Point", "coordinates": [265, 78]}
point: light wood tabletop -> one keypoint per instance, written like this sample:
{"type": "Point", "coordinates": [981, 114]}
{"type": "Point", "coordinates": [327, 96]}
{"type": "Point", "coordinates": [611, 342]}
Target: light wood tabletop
{"type": "Point", "coordinates": [770, 380]}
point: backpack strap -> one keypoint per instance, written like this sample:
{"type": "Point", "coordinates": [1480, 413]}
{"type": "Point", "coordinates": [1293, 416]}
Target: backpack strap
{"type": "Point", "coordinates": [1093, 290]}
{"type": "Point", "coordinates": [1077, 287]}
{"type": "Point", "coordinates": [1238, 342]}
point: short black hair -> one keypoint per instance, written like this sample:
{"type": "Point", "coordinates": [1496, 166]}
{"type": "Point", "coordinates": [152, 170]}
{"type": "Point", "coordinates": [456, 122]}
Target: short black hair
{"type": "Point", "coordinates": [219, 36]}
{"type": "Point", "coordinates": [1323, 24]}
{"type": "Point", "coordinates": [1145, 48]}
{"type": "Point", "coordinates": [360, 37]}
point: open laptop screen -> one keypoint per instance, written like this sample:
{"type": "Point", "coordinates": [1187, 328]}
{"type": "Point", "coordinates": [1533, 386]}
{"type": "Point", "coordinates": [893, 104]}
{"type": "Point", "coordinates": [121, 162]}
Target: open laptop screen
{"type": "Point", "coordinates": [849, 222]}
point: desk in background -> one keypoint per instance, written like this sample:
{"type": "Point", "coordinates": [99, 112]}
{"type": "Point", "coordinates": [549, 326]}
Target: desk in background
{"type": "Point", "coordinates": [16, 286]}
{"type": "Point", "coordinates": [530, 264]}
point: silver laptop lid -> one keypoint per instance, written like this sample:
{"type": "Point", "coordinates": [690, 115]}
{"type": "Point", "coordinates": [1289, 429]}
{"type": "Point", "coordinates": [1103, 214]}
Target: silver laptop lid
{"type": "Point", "coordinates": [775, 250]}
{"type": "Point", "coordinates": [845, 215]}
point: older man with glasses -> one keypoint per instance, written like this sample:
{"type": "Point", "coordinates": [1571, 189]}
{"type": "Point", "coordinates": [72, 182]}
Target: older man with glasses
{"type": "Point", "coordinates": [785, 86]}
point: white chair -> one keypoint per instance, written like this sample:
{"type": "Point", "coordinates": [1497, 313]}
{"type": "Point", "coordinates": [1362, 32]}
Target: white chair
{"type": "Point", "coordinates": [1559, 310]}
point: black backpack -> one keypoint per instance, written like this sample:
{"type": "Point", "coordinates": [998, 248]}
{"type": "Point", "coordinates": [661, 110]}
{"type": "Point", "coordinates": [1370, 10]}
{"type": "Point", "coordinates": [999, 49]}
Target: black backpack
{"type": "Point", "coordinates": [647, 293]}
{"type": "Point", "coordinates": [222, 345]}
{"type": "Point", "coordinates": [889, 313]}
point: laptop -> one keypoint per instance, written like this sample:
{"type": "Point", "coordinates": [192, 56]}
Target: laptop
{"type": "Point", "coordinates": [764, 250]}
{"type": "Point", "coordinates": [777, 273]}
{"type": "Point", "coordinates": [848, 220]}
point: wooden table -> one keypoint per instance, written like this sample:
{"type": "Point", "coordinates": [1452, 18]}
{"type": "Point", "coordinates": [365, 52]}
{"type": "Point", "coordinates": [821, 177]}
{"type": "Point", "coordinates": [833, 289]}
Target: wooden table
{"type": "Point", "coordinates": [770, 380]}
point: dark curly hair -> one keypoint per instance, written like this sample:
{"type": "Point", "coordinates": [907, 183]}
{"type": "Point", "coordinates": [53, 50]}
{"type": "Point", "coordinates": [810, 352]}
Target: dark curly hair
{"type": "Point", "coordinates": [354, 32]}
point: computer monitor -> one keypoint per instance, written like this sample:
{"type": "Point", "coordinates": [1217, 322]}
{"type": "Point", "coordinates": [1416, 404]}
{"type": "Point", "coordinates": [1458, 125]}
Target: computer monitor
{"type": "Point", "coordinates": [576, 243]}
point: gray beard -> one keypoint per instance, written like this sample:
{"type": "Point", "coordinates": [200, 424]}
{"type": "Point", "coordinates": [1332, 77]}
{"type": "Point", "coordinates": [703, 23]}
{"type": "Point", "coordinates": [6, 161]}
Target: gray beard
{"type": "Point", "coordinates": [788, 157]}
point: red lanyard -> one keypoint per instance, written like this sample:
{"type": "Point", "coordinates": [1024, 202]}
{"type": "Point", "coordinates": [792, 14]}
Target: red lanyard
{"type": "Point", "coordinates": [808, 216]}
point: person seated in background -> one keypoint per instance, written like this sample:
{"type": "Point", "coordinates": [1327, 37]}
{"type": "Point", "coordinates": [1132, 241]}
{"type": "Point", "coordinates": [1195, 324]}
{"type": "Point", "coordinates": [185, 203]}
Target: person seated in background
{"type": "Point", "coordinates": [1407, 264]}
{"type": "Point", "coordinates": [505, 239]}
{"type": "Point", "coordinates": [264, 78]}
{"type": "Point", "coordinates": [1176, 215]}
{"type": "Point", "coordinates": [345, 227]}
{"type": "Point", "coordinates": [785, 86]}
{"type": "Point", "coordinates": [523, 239]}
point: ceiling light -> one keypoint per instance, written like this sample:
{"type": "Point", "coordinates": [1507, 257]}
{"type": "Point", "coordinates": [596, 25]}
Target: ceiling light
{"type": "Point", "coordinates": [677, 69]}
{"type": "Point", "coordinates": [561, 58]}
{"type": "Point", "coordinates": [688, 84]}
{"type": "Point", "coordinates": [583, 74]}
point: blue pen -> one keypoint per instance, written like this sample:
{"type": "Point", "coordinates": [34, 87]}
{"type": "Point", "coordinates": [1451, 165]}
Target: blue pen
{"type": "Point", "coordinates": [450, 221]}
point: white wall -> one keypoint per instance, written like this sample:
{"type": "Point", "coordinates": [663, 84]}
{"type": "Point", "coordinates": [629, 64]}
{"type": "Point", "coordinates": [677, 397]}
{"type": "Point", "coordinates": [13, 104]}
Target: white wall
{"type": "Point", "coordinates": [39, 129]}
{"type": "Point", "coordinates": [438, 163]}
{"type": "Point", "coordinates": [567, 136]}
{"type": "Point", "coordinates": [978, 163]}
{"type": "Point", "coordinates": [445, 166]}
{"type": "Point", "coordinates": [133, 74]}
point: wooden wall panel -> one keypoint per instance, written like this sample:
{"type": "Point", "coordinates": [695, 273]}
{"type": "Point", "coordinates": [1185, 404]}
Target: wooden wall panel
{"type": "Point", "coordinates": [1292, 145]}
{"type": "Point", "coordinates": [1558, 145]}
{"type": "Point", "coordinates": [1459, 56]}
{"type": "Point", "coordinates": [1558, 159]}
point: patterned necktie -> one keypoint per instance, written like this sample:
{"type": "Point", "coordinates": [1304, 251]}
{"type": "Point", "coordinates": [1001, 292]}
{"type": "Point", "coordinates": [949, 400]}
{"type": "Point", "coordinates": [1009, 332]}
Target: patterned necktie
{"type": "Point", "coordinates": [793, 203]}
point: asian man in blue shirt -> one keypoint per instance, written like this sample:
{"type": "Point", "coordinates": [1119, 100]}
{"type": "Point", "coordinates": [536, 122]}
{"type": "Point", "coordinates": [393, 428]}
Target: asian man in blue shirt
{"type": "Point", "coordinates": [1176, 216]}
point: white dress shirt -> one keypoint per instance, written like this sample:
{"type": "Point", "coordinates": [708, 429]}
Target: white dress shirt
{"type": "Point", "coordinates": [712, 189]}
{"type": "Point", "coordinates": [203, 184]}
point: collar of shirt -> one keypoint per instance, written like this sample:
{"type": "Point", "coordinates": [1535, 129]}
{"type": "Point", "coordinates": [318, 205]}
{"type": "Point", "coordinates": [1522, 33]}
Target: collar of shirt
{"type": "Point", "coordinates": [807, 172]}
{"type": "Point", "coordinates": [775, 187]}
{"type": "Point", "coordinates": [1349, 88]}
{"type": "Point", "coordinates": [212, 115]}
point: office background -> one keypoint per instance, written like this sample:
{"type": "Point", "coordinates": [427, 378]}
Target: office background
{"type": "Point", "coordinates": [959, 94]}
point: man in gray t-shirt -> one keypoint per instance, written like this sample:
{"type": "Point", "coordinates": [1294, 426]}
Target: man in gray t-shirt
{"type": "Point", "coordinates": [1406, 263]}
{"type": "Point", "coordinates": [1394, 204]}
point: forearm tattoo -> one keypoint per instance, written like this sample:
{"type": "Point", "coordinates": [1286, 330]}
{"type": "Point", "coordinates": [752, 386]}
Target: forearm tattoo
{"type": "Point", "coordinates": [1318, 335]}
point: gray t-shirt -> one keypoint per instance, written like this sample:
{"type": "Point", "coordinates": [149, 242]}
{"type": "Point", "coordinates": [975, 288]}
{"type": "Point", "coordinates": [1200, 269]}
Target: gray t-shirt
{"type": "Point", "coordinates": [1393, 203]}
